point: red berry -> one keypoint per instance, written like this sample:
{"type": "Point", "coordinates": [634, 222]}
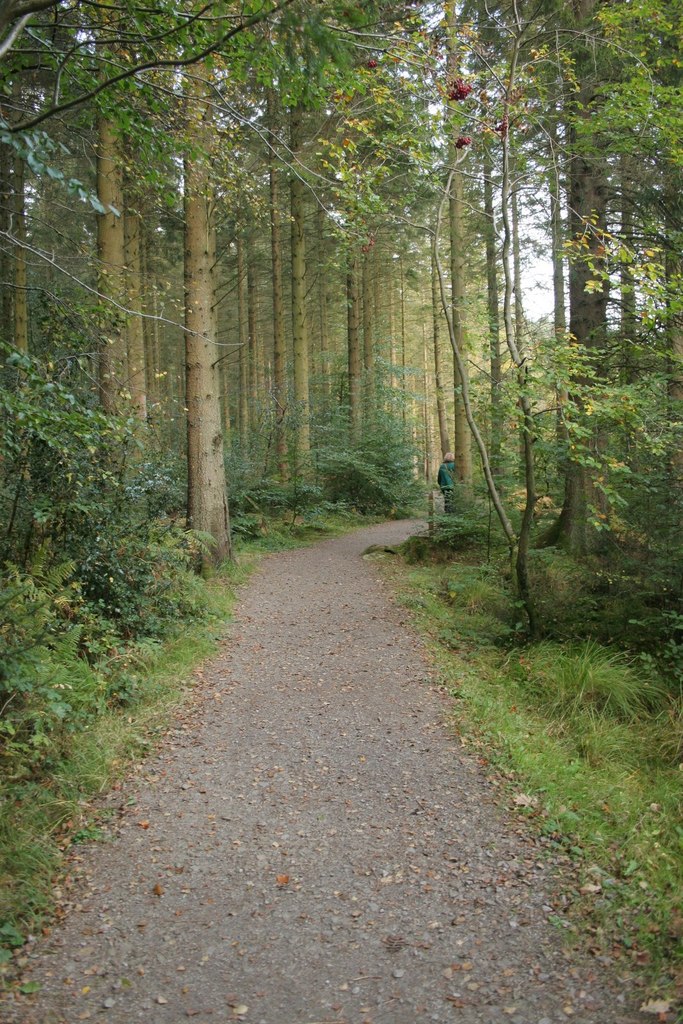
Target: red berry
{"type": "Point", "coordinates": [462, 141]}
{"type": "Point", "coordinates": [503, 127]}
{"type": "Point", "coordinates": [459, 90]}
{"type": "Point", "coordinates": [372, 63]}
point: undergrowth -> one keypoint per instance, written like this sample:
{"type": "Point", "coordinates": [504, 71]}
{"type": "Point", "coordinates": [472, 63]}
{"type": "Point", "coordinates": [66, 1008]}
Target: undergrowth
{"type": "Point", "coordinates": [590, 733]}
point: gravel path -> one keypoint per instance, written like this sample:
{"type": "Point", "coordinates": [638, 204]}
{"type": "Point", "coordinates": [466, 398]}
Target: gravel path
{"type": "Point", "coordinates": [315, 847]}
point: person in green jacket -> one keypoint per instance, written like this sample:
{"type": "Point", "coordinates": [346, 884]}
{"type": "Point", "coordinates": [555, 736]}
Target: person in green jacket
{"type": "Point", "coordinates": [446, 481]}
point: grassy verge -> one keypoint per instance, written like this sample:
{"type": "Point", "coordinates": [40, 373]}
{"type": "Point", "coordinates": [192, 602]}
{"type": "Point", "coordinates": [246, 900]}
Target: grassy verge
{"type": "Point", "coordinates": [44, 812]}
{"type": "Point", "coordinates": [586, 749]}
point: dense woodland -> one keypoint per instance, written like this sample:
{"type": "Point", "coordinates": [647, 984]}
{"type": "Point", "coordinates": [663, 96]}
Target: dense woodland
{"type": "Point", "coordinates": [269, 261]}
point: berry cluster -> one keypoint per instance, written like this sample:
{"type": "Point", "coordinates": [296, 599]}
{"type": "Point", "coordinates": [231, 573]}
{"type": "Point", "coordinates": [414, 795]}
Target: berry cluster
{"type": "Point", "coordinates": [372, 63]}
{"type": "Point", "coordinates": [368, 245]}
{"type": "Point", "coordinates": [462, 141]}
{"type": "Point", "coordinates": [504, 127]}
{"type": "Point", "coordinates": [459, 90]}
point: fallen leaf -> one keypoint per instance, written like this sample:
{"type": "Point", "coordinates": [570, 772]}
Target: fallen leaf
{"type": "Point", "coordinates": [589, 889]}
{"type": "Point", "coordinates": [143, 824]}
{"type": "Point", "coordinates": [240, 1010]}
{"type": "Point", "coordinates": [161, 1000]}
{"type": "Point", "coordinates": [158, 890]}
{"type": "Point", "coordinates": [655, 1006]}
{"type": "Point", "coordinates": [524, 800]}
{"type": "Point", "coordinates": [282, 879]}
{"type": "Point", "coordinates": [29, 987]}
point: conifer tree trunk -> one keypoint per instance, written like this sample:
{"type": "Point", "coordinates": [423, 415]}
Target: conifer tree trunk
{"type": "Point", "coordinates": [461, 432]}
{"type": "Point", "coordinates": [243, 350]}
{"type": "Point", "coordinates": [354, 348]}
{"type": "Point", "coordinates": [673, 192]}
{"type": "Point", "coordinates": [299, 323]}
{"type": "Point", "coordinates": [627, 283]}
{"type": "Point", "coordinates": [135, 339]}
{"type": "Point", "coordinates": [252, 331]}
{"type": "Point", "coordinates": [111, 257]}
{"type": "Point", "coordinates": [207, 505]}
{"type": "Point", "coordinates": [438, 372]}
{"type": "Point", "coordinates": [557, 230]}
{"type": "Point", "coordinates": [587, 303]}
{"type": "Point", "coordinates": [279, 350]}
{"type": "Point", "coordinates": [325, 365]}
{"type": "Point", "coordinates": [368, 339]}
{"type": "Point", "coordinates": [493, 310]}
{"type": "Point", "coordinates": [6, 256]}
{"type": "Point", "coordinates": [20, 269]}
{"type": "Point", "coordinates": [462, 438]}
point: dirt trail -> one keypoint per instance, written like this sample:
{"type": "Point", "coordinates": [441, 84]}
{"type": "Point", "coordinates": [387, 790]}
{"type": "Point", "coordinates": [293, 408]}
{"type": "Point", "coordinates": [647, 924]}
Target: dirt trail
{"type": "Point", "coordinates": [318, 847]}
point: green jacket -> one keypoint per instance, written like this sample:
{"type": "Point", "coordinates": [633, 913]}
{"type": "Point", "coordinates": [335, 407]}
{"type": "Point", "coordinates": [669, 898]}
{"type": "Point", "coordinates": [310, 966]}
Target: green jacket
{"type": "Point", "coordinates": [445, 478]}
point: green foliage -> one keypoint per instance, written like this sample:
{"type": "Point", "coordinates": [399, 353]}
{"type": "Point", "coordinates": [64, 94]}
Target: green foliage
{"type": "Point", "coordinates": [375, 476]}
{"type": "Point", "coordinates": [567, 679]}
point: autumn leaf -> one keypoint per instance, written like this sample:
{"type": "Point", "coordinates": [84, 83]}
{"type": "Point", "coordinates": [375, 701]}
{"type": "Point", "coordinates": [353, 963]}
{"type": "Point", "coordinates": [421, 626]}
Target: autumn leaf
{"type": "Point", "coordinates": [656, 1006]}
{"type": "Point", "coordinates": [158, 890]}
{"type": "Point", "coordinates": [282, 879]}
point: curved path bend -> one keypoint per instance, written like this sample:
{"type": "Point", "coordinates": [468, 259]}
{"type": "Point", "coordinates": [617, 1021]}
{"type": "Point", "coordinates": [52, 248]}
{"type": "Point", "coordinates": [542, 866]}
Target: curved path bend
{"type": "Point", "coordinates": [315, 848]}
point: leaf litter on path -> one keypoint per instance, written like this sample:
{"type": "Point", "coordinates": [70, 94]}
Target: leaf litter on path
{"type": "Point", "coordinates": [343, 856]}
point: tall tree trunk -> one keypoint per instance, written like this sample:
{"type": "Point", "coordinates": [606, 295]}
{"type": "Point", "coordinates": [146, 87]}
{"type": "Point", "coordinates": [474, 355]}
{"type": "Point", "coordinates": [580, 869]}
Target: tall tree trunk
{"type": "Point", "coordinates": [587, 303]}
{"type": "Point", "coordinates": [111, 257]}
{"type": "Point", "coordinates": [243, 350]}
{"type": "Point", "coordinates": [299, 322]}
{"type": "Point", "coordinates": [627, 281]}
{"type": "Point", "coordinates": [461, 433]}
{"type": "Point", "coordinates": [6, 255]}
{"type": "Point", "coordinates": [207, 504]}
{"type": "Point", "coordinates": [252, 324]}
{"type": "Point", "coordinates": [557, 231]}
{"type": "Point", "coordinates": [519, 551]}
{"type": "Point", "coordinates": [325, 367]}
{"type": "Point", "coordinates": [20, 269]}
{"type": "Point", "coordinates": [673, 228]}
{"type": "Point", "coordinates": [150, 323]}
{"type": "Point", "coordinates": [354, 349]}
{"type": "Point", "coordinates": [279, 348]}
{"type": "Point", "coordinates": [520, 319]}
{"type": "Point", "coordinates": [368, 339]}
{"type": "Point", "coordinates": [135, 339]}
{"type": "Point", "coordinates": [493, 311]}
{"type": "Point", "coordinates": [404, 382]}
{"type": "Point", "coordinates": [462, 438]}
{"type": "Point", "coordinates": [438, 372]}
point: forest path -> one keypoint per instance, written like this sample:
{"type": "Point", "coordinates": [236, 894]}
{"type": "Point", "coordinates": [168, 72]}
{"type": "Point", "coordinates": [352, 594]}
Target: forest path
{"type": "Point", "coordinates": [315, 846]}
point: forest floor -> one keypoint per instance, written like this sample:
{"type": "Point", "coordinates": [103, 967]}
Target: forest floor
{"type": "Point", "coordinates": [311, 845]}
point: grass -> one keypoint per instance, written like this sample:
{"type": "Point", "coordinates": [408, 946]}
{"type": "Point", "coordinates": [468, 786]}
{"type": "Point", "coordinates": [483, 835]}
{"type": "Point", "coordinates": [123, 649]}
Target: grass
{"type": "Point", "coordinates": [587, 737]}
{"type": "Point", "coordinates": [41, 816]}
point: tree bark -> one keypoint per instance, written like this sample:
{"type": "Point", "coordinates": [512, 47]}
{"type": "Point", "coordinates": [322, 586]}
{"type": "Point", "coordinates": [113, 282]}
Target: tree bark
{"type": "Point", "coordinates": [111, 259]}
{"type": "Point", "coordinates": [354, 349]}
{"type": "Point", "coordinates": [135, 339]}
{"type": "Point", "coordinates": [20, 269]}
{"type": "Point", "coordinates": [207, 505]}
{"type": "Point", "coordinates": [299, 322]}
{"type": "Point", "coordinates": [252, 331]}
{"type": "Point", "coordinates": [243, 350]}
{"type": "Point", "coordinates": [493, 311]}
{"type": "Point", "coordinates": [324, 329]}
{"type": "Point", "coordinates": [438, 372]}
{"type": "Point", "coordinates": [587, 303]}
{"type": "Point", "coordinates": [279, 349]}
